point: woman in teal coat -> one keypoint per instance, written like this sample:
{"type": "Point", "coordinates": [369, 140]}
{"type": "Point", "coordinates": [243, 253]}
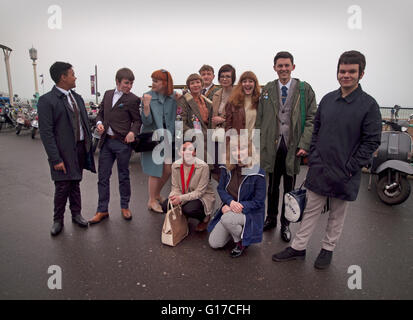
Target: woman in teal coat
{"type": "Point", "coordinates": [159, 112]}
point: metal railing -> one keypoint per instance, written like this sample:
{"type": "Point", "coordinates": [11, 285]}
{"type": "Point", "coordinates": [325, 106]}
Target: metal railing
{"type": "Point", "coordinates": [404, 113]}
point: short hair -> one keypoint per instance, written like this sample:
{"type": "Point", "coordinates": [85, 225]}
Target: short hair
{"type": "Point", "coordinates": [206, 67]}
{"type": "Point", "coordinates": [353, 57]}
{"type": "Point", "coordinates": [124, 73]}
{"type": "Point", "coordinates": [227, 68]}
{"type": "Point", "coordinates": [283, 55]}
{"type": "Point", "coordinates": [58, 69]}
{"type": "Point", "coordinates": [193, 77]}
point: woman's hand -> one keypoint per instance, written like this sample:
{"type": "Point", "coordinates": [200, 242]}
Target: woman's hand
{"type": "Point", "coordinates": [236, 206]}
{"type": "Point", "coordinates": [217, 120]}
{"type": "Point", "coordinates": [175, 200]}
{"type": "Point", "coordinates": [146, 104]}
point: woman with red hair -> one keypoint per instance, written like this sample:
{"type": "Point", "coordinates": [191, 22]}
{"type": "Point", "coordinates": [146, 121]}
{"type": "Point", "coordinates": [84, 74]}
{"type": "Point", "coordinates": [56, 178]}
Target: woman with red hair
{"type": "Point", "coordinates": [241, 110]}
{"type": "Point", "coordinates": [159, 112]}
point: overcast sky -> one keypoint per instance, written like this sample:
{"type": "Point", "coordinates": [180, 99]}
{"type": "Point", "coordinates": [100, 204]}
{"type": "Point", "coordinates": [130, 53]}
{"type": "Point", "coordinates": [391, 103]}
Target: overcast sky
{"type": "Point", "coordinates": [181, 35]}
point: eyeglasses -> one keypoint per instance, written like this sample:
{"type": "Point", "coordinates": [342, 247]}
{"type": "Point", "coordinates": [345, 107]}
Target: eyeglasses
{"type": "Point", "coordinates": [225, 77]}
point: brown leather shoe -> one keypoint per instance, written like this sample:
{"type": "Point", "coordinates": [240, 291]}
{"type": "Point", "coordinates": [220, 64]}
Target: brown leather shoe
{"type": "Point", "coordinates": [202, 226]}
{"type": "Point", "coordinates": [126, 214]}
{"type": "Point", "coordinates": [99, 216]}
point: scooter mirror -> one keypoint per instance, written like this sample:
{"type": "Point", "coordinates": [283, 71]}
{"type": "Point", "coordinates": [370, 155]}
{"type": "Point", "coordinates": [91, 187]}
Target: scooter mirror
{"type": "Point", "coordinates": [404, 129]}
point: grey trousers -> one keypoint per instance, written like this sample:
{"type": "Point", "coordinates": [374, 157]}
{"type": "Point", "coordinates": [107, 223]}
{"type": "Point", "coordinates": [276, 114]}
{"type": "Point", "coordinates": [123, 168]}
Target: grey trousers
{"type": "Point", "coordinates": [230, 225]}
{"type": "Point", "coordinates": [337, 214]}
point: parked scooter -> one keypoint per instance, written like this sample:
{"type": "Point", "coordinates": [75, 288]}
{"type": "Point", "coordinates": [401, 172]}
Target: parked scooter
{"type": "Point", "coordinates": [23, 120]}
{"type": "Point", "coordinates": [392, 161]}
{"type": "Point", "coordinates": [34, 123]}
{"type": "Point", "coordinates": [92, 114]}
{"type": "Point", "coordinates": [6, 117]}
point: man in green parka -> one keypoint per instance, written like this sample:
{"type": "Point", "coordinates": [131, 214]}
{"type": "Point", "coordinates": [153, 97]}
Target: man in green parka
{"type": "Point", "coordinates": [285, 117]}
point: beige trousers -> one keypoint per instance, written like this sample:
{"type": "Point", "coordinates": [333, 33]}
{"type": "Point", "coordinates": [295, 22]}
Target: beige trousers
{"type": "Point", "coordinates": [312, 212]}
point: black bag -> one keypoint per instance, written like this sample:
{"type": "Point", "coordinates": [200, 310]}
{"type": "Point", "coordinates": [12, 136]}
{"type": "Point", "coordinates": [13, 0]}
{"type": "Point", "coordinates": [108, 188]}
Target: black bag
{"type": "Point", "coordinates": [143, 142]}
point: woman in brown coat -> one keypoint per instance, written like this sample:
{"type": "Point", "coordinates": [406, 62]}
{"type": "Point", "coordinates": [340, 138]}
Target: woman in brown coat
{"type": "Point", "coordinates": [191, 187]}
{"type": "Point", "coordinates": [195, 110]}
{"type": "Point", "coordinates": [241, 110]}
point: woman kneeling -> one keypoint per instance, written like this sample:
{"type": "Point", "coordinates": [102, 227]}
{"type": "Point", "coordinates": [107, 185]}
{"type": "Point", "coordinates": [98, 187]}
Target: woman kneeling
{"type": "Point", "coordinates": [242, 191]}
{"type": "Point", "coordinates": [191, 187]}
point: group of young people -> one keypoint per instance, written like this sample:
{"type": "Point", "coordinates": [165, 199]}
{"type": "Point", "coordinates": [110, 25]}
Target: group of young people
{"type": "Point", "coordinates": [338, 138]}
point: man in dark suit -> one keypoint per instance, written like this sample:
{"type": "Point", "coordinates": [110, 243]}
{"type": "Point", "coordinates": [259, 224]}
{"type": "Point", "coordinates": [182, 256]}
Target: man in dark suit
{"type": "Point", "coordinates": [118, 122]}
{"type": "Point", "coordinates": [64, 130]}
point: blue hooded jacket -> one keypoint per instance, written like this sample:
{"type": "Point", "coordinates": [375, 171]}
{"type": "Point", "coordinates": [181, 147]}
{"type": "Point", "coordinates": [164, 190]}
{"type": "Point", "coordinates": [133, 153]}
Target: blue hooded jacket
{"type": "Point", "coordinates": [251, 194]}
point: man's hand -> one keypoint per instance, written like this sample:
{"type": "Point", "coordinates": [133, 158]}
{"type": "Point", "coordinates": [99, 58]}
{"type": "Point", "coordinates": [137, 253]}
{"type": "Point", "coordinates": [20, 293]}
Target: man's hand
{"type": "Point", "coordinates": [60, 167]}
{"type": "Point", "coordinates": [100, 128]}
{"type": "Point", "coordinates": [236, 206]}
{"type": "Point", "coordinates": [302, 153]}
{"type": "Point", "coordinates": [175, 200]}
{"type": "Point", "coordinates": [130, 137]}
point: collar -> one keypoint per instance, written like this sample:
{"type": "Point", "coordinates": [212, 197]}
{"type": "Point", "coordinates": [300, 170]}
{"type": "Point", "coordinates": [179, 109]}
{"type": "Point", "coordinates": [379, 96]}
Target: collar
{"type": "Point", "coordinates": [117, 92]}
{"type": "Point", "coordinates": [351, 97]}
{"type": "Point", "coordinates": [287, 85]}
{"type": "Point", "coordinates": [198, 163]}
{"type": "Point", "coordinates": [65, 92]}
{"type": "Point", "coordinates": [210, 86]}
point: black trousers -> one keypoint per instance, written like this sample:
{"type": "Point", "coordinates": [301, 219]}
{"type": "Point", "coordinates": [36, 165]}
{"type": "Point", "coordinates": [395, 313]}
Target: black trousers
{"type": "Point", "coordinates": [69, 189]}
{"type": "Point", "coordinates": [274, 185]}
{"type": "Point", "coordinates": [191, 209]}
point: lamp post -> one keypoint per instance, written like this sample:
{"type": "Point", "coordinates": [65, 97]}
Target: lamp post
{"type": "Point", "coordinates": [7, 51]}
{"type": "Point", "coordinates": [33, 56]}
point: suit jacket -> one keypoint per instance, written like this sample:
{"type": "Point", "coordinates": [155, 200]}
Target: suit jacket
{"type": "Point", "coordinates": [58, 136]}
{"type": "Point", "coordinates": [122, 118]}
{"type": "Point", "coordinates": [267, 122]}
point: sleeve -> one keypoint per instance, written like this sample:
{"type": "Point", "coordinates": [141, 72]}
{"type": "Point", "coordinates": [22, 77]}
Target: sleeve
{"type": "Point", "coordinates": [370, 139]}
{"type": "Point", "coordinates": [316, 128]}
{"type": "Point", "coordinates": [175, 189]}
{"type": "Point", "coordinates": [228, 116]}
{"type": "Point", "coordinates": [223, 194]}
{"type": "Point", "coordinates": [184, 114]}
{"type": "Point", "coordinates": [46, 129]}
{"type": "Point", "coordinates": [146, 120]}
{"type": "Point", "coordinates": [135, 116]}
{"type": "Point", "coordinates": [311, 109]}
{"type": "Point", "coordinates": [250, 207]}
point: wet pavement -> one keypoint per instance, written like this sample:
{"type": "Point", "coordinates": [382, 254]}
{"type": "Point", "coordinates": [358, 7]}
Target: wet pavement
{"type": "Point", "coordinates": [117, 259]}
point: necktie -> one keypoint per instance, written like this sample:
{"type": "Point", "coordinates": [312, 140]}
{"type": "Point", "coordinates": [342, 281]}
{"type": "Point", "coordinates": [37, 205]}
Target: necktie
{"type": "Point", "coordinates": [284, 94]}
{"type": "Point", "coordinates": [76, 111]}
{"type": "Point", "coordinates": [203, 91]}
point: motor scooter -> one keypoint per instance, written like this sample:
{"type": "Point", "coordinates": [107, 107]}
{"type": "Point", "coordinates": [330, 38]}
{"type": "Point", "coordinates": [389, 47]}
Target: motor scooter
{"type": "Point", "coordinates": [392, 161]}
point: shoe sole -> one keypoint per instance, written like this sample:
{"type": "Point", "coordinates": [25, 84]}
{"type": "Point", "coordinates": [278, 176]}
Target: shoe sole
{"type": "Point", "coordinates": [95, 222]}
{"type": "Point", "coordinates": [81, 225]}
{"type": "Point", "coordinates": [288, 259]}
{"type": "Point", "coordinates": [321, 267]}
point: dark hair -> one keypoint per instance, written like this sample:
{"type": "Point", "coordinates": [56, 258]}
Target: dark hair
{"type": "Point", "coordinates": [353, 57]}
{"type": "Point", "coordinates": [58, 69]}
{"type": "Point", "coordinates": [124, 73]}
{"type": "Point", "coordinates": [227, 68]}
{"type": "Point", "coordinates": [284, 55]}
{"type": "Point", "coordinates": [206, 67]}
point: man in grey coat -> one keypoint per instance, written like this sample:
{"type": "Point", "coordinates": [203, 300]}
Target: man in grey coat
{"type": "Point", "coordinates": [66, 136]}
{"type": "Point", "coordinates": [347, 130]}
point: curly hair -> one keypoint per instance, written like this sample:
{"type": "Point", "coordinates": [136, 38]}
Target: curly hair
{"type": "Point", "coordinates": [238, 96]}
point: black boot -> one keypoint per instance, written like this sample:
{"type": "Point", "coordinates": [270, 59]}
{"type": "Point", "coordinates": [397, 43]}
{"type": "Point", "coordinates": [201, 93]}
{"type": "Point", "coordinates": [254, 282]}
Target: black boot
{"type": "Point", "coordinates": [56, 228]}
{"type": "Point", "coordinates": [324, 259]}
{"type": "Point", "coordinates": [285, 233]}
{"type": "Point", "coordinates": [270, 223]}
